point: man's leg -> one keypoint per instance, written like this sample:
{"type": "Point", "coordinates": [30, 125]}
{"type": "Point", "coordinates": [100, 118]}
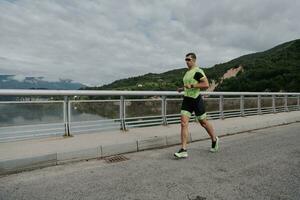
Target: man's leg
{"type": "Point", "coordinates": [186, 111]}
{"type": "Point", "coordinates": [184, 130]}
{"type": "Point", "coordinates": [209, 129]}
{"type": "Point", "coordinates": [182, 153]}
{"type": "Point", "coordinates": [202, 117]}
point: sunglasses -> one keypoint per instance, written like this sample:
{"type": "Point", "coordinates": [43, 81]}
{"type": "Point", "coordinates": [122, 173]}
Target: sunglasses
{"type": "Point", "coordinates": [188, 59]}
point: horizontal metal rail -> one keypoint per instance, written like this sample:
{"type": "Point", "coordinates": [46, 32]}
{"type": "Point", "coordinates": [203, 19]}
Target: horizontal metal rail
{"type": "Point", "coordinates": [20, 92]}
{"type": "Point", "coordinates": [160, 112]}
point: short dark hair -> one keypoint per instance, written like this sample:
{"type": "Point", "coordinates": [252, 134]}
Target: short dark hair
{"type": "Point", "coordinates": [193, 55]}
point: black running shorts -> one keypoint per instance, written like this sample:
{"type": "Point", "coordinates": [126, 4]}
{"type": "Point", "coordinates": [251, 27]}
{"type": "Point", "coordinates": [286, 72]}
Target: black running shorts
{"type": "Point", "coordinates": [190, 105]}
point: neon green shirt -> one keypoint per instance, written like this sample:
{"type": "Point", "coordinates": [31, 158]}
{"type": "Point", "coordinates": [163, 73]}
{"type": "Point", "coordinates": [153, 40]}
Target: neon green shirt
{"type": "Point", "coordinates": [193, 76]}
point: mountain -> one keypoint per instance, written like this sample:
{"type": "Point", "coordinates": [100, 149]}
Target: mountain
{"type": "Point", "coordinates": [277, 69]}
{"type": "Point", "coordinates": [10, 82]}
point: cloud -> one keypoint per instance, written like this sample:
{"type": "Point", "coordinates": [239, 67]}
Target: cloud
{"type": "Point", "coordinates": [97, 42]}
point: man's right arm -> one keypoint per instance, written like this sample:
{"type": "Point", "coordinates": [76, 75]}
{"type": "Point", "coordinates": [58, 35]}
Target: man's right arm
{"type": "Point", "coordinates": [180, 89]}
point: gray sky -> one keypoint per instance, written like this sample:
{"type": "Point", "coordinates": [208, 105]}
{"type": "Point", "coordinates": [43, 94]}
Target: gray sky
{"type": "Point", "coordinates": [98, 41]}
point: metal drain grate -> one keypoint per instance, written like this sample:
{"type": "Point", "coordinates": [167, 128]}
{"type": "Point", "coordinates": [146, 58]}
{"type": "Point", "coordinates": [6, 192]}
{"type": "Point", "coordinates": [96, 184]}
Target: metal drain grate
{"type": "Point", "coordinates": [114, 159]}
{"type": "Point", "coordinates": [197, 198]}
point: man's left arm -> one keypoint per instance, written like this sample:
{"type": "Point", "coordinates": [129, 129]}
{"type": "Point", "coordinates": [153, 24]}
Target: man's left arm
{"type": "Point", "coordinates": [202, 81]}
{"type": "Point", "coordinates": [203, 84]}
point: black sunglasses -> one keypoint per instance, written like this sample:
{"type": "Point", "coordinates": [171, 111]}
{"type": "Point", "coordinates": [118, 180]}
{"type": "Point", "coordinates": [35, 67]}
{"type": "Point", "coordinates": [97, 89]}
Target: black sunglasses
{"type": "Point", "coordinates": [188, 59]}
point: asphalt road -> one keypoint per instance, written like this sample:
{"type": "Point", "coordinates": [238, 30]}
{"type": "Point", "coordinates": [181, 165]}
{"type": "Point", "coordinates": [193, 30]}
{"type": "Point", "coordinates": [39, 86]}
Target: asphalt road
{"type": "Point", "coordinates": [263, 164]}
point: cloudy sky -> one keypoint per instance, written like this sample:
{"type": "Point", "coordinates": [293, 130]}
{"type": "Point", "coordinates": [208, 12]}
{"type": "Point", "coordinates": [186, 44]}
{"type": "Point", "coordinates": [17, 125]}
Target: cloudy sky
{"type": "Point", "coordinates": [98, 41]}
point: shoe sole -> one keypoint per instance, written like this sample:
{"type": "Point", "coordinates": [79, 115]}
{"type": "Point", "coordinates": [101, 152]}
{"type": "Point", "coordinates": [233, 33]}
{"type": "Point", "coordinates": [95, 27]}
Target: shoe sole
{"type": "Point", "coordinates": [180, 156]}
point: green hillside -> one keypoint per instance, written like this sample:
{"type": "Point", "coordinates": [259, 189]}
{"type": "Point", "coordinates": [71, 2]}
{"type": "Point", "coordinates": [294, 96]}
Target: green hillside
{"type": "Point", "coordinates": [277, 69]}
{"type": "Point", "coordinates": [165, 81]}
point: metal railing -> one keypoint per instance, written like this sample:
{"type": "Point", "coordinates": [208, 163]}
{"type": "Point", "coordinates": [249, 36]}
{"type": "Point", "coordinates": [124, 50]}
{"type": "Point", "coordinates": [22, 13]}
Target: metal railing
{"type": "Point", "coordinates": [124, 109]}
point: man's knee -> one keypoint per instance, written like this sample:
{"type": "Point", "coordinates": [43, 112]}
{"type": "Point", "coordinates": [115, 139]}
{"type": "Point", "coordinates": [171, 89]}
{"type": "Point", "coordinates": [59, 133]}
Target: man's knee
{"type": "Point", "coordinates": [184, 123]}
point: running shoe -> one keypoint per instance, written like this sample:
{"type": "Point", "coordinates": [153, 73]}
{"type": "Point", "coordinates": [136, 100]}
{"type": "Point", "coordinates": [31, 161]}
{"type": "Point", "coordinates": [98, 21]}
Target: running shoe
{"type": "Point", "coordinates": [182, 153]}
{"type": "Point", "coordinates": [215, 146]}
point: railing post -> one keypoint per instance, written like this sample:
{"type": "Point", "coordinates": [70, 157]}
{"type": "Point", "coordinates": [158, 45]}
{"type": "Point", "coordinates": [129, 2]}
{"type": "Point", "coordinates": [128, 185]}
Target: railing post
{"type": "Point", "coordinates": [286, 109]}
{"type": "Point", "coordinates": [259, 104]}
{"type": "Point", "coordinates": [242, 103]}
{"type": "Point", "coordinates": [164, 110]}
{"type": "Point", "coordinates": [67, 116]}
{"type": "Point", "coordinates": [273, 104]}
{"type": "Point", "coordinates": [221, 106]}
{"type": "Point", "coordinates": [298, 102]}
{"type": "Point", "coordinates": [122, 113]}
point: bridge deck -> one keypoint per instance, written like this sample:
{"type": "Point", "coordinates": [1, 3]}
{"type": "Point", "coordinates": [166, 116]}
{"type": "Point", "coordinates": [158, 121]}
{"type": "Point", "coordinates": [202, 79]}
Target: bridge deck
{"type": "Point", "coordinates": [27, 154]}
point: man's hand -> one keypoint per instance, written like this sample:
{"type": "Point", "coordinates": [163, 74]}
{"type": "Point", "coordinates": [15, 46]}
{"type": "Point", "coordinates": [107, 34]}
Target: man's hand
{"type": "Point", "coordinates": [188, 86]}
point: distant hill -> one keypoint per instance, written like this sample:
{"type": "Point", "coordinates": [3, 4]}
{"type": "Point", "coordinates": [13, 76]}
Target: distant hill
{"type": "Point", "coordinates": [277, 69]}
{"type": "Point", "coordinates": [9, 82]}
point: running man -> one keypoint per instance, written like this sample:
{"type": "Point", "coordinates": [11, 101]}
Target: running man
{"type": "Point", "coordinates": [194, 81]}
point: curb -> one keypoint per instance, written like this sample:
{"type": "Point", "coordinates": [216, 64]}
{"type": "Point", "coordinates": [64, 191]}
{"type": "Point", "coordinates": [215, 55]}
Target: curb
{"type": "Point", "coordinates": [24, 164]}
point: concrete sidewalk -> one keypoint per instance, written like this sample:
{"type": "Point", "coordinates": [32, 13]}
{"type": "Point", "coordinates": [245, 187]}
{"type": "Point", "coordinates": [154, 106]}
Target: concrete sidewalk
{"type": "Point", "coordinates": [36, 153]}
